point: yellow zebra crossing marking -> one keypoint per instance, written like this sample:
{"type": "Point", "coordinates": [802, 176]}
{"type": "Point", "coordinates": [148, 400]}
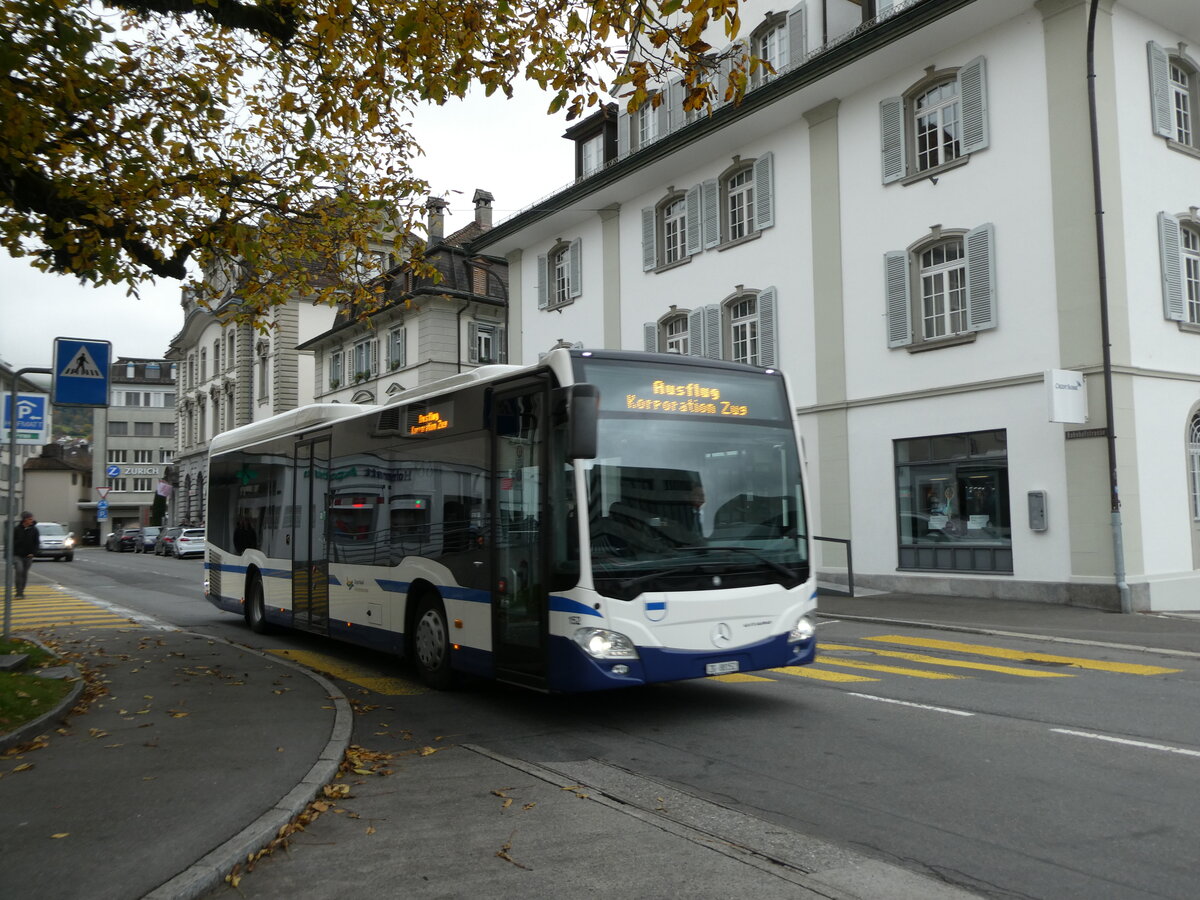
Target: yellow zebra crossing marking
{"type": "Point", "coordinates": [346, 671]}
{"type": "Point", "coordinates": [738, 678]}
{"type": "Point", "coordinates": [1098, 665]}
{"type": "Point", "coordinates": [890, 670]}
{"type": "Point", "coordinates": [47, 607]}
{"type": "Point", "coordinates": [821, 674]}
{"type": "Point", "coordinates": [951, 663]}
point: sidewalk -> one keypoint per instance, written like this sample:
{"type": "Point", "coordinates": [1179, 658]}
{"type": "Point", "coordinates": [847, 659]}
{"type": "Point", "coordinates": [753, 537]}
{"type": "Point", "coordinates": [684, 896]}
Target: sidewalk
{"type": "Point", "coordinates": [202, 750]}
{"type": "Point", "coordinates": [197, 755]}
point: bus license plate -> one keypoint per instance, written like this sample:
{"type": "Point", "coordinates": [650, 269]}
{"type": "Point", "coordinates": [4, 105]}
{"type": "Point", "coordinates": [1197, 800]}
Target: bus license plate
{"type": "Point", "coordinates": [721, 668]}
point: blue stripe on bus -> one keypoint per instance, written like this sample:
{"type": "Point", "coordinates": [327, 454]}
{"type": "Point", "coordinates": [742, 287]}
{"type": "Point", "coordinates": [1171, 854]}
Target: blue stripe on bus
{"type": "Point", "coordinates": [656, 604]}
{"type": "Point", "coordinates": [471, 595]}
{"type": "Point", "coordinates": [567, 605]}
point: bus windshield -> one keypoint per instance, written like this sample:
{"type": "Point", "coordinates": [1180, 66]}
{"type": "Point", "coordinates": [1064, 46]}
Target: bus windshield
{"type": "Point", "coordinates": [680, 499]}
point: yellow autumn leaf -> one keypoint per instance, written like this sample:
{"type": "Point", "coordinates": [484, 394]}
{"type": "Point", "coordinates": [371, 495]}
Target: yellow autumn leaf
{"type": "Point", "coordinates": [61, 834]}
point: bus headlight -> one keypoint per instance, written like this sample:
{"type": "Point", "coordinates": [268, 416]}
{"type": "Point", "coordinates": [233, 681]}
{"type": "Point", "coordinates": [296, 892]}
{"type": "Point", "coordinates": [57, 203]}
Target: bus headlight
{"type": "Point", "coordinates": [602, 644]}
{"type": "Point", "coordinates": [803, 630]}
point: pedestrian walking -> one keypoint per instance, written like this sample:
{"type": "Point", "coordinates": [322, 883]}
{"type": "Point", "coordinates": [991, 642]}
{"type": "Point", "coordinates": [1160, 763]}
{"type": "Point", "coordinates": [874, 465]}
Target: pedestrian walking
{"type": "Point", "coordinates": [26, 542]}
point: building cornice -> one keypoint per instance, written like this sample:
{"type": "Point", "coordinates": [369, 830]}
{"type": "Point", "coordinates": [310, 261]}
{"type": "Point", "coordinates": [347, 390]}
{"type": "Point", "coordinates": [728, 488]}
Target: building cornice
{"type": "Point", "coordinates": [844, 52]}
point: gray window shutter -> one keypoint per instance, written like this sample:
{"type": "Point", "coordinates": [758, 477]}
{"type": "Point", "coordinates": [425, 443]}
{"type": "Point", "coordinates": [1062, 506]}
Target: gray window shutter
{"type": "Point", "coordinates": [696, 332]}
{"type": "Point", "coordinates": [662, 117]}
{"type": "Point", "coordinates": [1160, 91]}
{"type": "Point", "coordinates": [694, 245]}
{"type": "Point", "coordinates": [979, 247]}
{"type": "Point", "coordinates": [899, 324]}
{"type": "Point", "coordinates": [764, 191]}
{"type": "Point", "coordinates": [543, 282]}
{"type": "Point", "coordinates": [575, 288]}
{"type": "Point", "coordinates": [375, 356]}
{"type": "Point", "coordinates": [891, 133]}
{"type": "Point", "coordinates": [797, 34]}
{"type": "Point", "coordinates": [723, 73]}
{"type": "Point", "coordinates": [972, 90]}
{"type": "Point", "coordinates": [650, 337]}
{"type": "Point", "coordinates": [649, 243]}
{"type": "Point", "coordinates": [472, 342]}
{"type": "Point", "coordinates": [622, 134]}
{"type": "Point", "coordinates": [1169, 242]}
{"type": "Point", "coordinates": [766, 326]}
{"type": "Point", "coordinates": [712, 331]}
{"type": "Point", "coordinates": [675, 116]}
{"type": "Point", "coordinates": [712, 215]}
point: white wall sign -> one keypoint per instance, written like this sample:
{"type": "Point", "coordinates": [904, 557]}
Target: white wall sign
{"type": "Point", "coordinates": [1066, 396]}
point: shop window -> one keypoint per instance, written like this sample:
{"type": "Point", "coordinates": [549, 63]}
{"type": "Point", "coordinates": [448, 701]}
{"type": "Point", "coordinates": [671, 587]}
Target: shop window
{"type": "Point", "coordinates": [952, 503]}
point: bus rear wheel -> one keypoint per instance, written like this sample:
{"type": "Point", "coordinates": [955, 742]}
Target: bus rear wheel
{"type": "Point", "coordinates": [431, 644]}
{"type": "Point", "coordinates": [256, 608]}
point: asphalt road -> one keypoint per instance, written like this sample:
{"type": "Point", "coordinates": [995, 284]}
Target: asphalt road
{"type": "Point", "coordinates": [1033, 778]}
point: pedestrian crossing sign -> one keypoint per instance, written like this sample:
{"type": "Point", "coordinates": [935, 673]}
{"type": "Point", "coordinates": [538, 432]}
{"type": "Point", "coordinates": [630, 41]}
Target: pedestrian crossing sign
{"type": "Point", "coordinates": [81, 372]}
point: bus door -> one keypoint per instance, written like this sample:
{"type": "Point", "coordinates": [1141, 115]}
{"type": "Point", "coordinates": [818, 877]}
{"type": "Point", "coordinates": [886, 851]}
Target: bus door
{"type": "Point", "coordinates": [309, 536]}
{"type": "Point", "coordinates": [519, 599]}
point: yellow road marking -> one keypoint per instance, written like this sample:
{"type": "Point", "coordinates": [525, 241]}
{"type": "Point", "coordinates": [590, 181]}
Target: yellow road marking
{"type": "Point", "coordinates": [366, 678]}
{"type": "Point", "coordinates": [953, 663]}
{"type": "Point", "coordinates": [820, 674]}
{"type": "Point", "coordinates": [1025, 656]}
{"type": "Point", "coordinates": [51, 608]}
{"type": "Point", "coordinates": [738, 678]}
{"type": "Point", "coordinates": [891, 670]}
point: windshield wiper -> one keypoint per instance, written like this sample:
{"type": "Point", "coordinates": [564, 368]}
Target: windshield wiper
{"type": "Point", "coordinates": [775, 567]}
{"type": "Point", "coordinates": [766, 561]}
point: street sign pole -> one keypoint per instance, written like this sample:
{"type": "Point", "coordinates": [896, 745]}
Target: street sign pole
{"type": "Point", "coordinates": [12, 493]}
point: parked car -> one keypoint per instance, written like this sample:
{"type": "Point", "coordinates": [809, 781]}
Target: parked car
{"type": "Point", "coordinates": [189, 543]}
{"type": "Point", "coordinates": [125, 539]}
{"type": "Point", "coordinates": [56, 543]}
{"type": "Point", "coordinates": [164, 544]}
{"type": "Point", "coordinates": [149, 537]}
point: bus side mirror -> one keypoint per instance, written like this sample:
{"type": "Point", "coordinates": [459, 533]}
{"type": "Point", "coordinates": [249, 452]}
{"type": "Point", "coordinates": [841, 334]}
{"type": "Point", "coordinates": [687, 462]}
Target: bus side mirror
{"type": "Point", "coordinates": [583, 411]}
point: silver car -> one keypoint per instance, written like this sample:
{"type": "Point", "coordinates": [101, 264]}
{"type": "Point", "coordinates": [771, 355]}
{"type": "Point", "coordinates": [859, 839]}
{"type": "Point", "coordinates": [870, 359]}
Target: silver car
{"type": "Point", "coordinates": [56, 542]}
{"type": "Point", "coordinates": [189, 543]}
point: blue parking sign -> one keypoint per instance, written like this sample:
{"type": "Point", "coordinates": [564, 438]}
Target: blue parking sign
{"type": "Point", "coordinates": [81, 370]}
{"type": "Point", "coordinates": [32, 420]}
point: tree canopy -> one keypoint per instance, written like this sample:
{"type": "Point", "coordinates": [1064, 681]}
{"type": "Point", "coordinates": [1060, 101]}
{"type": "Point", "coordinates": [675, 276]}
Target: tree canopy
{"type": "Point", "coordinates": [149, 139]}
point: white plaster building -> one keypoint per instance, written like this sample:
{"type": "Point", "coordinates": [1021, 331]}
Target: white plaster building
{"type": "Point", "coordinates": [230, 375]}
{"type": "Point", "coordinates": [428, 329]}
{"type": "Point", "coordinates": [903, 219]}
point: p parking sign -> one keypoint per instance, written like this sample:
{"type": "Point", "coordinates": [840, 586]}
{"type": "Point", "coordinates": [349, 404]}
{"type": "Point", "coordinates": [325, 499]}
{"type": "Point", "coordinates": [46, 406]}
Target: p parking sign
{"type": "Point", "coordinates": [31, 421]}
{"type": "Point", "coordinates": [81, 372]}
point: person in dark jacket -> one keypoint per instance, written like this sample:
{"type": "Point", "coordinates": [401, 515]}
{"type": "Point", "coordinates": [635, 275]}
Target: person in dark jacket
{"type": "Point", "coordinates": [26, 542]}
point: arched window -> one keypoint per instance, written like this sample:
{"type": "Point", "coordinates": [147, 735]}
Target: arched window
{"type": "Point", "coordinates": [1194, 465]}
{"type": "Point", "coordinates": [937, 123]}
{"type": "Point", "coordinates": [1175, 95]}
{"type": "Point", "coordinates": [942, 289]}
{"type": "Point", "coordinates": [1179, 247]}
{"type": "Point", "coordinates": [560, 274]}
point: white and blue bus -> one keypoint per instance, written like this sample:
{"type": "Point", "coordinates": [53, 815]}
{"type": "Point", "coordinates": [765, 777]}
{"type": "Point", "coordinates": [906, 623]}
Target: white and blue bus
{"type": "Point", "coordinates": [598, 520]}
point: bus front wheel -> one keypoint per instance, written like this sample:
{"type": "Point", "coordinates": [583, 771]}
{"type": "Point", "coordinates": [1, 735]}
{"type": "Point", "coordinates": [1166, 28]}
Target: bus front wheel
{"type": "Point", "coordinates": [431, 644]}
{"type": "Point", "coordinates": [256, 609]}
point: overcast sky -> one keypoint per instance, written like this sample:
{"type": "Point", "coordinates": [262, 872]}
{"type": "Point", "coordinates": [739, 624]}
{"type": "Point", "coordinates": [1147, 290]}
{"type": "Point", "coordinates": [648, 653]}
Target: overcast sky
{"type": "Point", "coordinates": [510, 148]}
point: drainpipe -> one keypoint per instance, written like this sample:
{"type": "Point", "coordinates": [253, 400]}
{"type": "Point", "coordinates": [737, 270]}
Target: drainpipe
{"type": "Point", "coordinates": [1106, 344]}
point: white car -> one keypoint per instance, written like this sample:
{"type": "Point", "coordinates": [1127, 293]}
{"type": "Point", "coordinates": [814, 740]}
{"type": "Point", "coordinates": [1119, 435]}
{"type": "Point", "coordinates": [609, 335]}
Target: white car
{"type": "Point", "coordinates": [189, 543]}
{"type": "Point", "coordinates": [56, 542]}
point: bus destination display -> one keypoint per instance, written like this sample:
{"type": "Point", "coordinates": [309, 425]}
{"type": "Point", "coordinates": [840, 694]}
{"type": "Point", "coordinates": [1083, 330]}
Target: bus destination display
{"type": "Point", "coordinates": [693, 398]}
